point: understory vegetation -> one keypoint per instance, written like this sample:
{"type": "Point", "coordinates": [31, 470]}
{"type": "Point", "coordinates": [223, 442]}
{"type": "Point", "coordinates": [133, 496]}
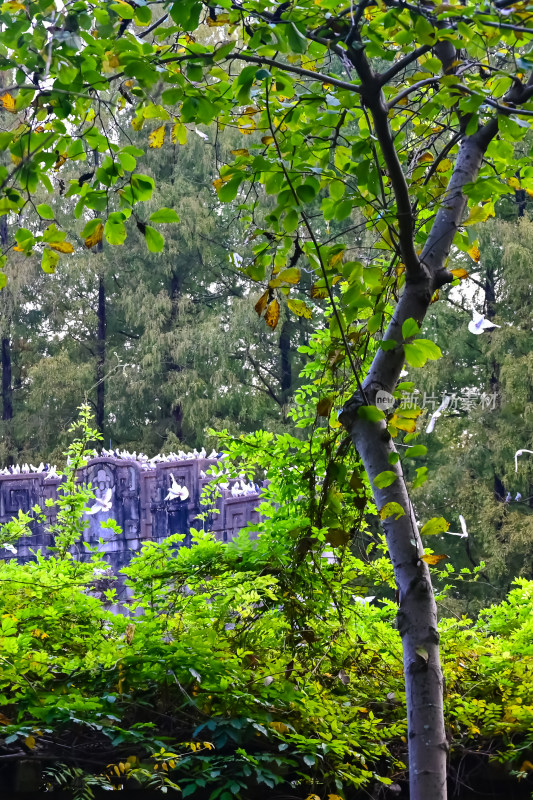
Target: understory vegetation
{"type": "Point", "coordinates": [272, 661]}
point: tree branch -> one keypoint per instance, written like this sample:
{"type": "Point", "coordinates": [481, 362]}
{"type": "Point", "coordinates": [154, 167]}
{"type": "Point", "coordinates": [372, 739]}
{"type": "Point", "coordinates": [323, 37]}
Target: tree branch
{"type": "Point", "coordinates": [373, 97]}
{"type": "Point", "coordinates": [385, 77]}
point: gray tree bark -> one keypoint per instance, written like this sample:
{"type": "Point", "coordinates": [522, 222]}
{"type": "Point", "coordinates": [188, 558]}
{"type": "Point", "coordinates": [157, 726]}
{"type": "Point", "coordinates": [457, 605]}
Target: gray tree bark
{"type": "Point", "coordinates": [417, 614]}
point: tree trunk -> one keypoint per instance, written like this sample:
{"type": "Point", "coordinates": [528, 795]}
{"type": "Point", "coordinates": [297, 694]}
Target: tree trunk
{"type": "Point", "coordinates": [7, 388]}
{"type": "Point", "coordinates": [286, 368]}
{"type": "Point", "coordinates": [417, 613]}
{"type": "Point", "coordinates": [101, 355]}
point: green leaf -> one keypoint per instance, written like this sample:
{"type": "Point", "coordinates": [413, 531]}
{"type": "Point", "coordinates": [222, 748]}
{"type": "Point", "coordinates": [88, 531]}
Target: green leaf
{"type": "Point", "coordinates": [3, 280]}
{"type": "Point", "coordinates": [49, 260]}
{"type": "Point", "coordinates": [124, 10]}
{"type": "Point", "coordinates": [416, 451]}
{"type": "Point", "coordinates": [435, 526]}
{"type": "Point", "coordinates": [115, 231]}
{"type": "Point", "coordinates": [370, 413]}
{"type": "Point", "coordinates": [421, 477]}
{"type": "Point", "coordinates": [164, 215]}
{"type": "Point", "coordinates": [385, 479]}
{"type": "Point", "coordinates": [420, 351]}
{"type": "Point", "coordinates": [143, 15]}
{"type": "Point", "coordinates": [45, 211]}
{"type": "Point", "coordinates": [154, 240]}
{"type": "Point", "coordinates": [228, 191]}
{"type": "Point", "coordinates": [142, 187]}
{"type": "Point", "coordinates": [297, 41]}
{"type": "Point", "coordinates": [410, 328]}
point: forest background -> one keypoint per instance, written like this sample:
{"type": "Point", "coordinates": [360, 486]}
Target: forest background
{"type": "Point", "coordinates": [168, 347]}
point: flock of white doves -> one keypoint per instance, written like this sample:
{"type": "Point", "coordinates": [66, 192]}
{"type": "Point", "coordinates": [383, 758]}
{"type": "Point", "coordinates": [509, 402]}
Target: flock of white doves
{"type": "Point", "coordinates": [142, 459]}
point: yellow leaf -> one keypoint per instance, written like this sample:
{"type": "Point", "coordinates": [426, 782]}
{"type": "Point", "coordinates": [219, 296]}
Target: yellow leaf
{"type": "Point", "coordinates": [434, 558]}
{"type": "Point", "coordinates": [474, 254]}
{"type": "Point", "coordinates": [290, 275]}
{"type": "Point", "coordinates": [336, 259]}
{"type": "Point", "coordinates": [95, 237]}
{"type": "Point", "coordinates": [267, 139]}
{"type": "Point", "coordinates": [462, 273]}
{"type": "Point", "coordinates": [444, 165]}
{"type": "Point", "coordinates": [529, 192]}
{"type": "Point", "coordinates": [242, 151]}
{"type": "Point", "coordinates": [425, 158]}
{"type": "Point", "coordinates": [130, 632]}
{"type": "Point", "coordinates": [18, 249]}
{"type": "Point", "coordinates": [334, 797]}
{"type": "Point", "coordinates": [60, 161]}
{"type": "Point", "coordinates": [221, 19]}
{"type": "Point", "coordinates": [408, 425]}
{"type": "Point", "coordinates": [218, 182]}
{"type": "Point", "coordinates": [14, 5]}
{"type": "Point", "coordinates": [272, 314]}
{"type": "Point", "coordinates": [479, 214]}
{"type": "Point", "coordinates": [319, 292]}
{"type": "Point", "coordinates": [391, 510]}
{"type": "Point", "coordinates": [8, 101]}
{"type": "Point", "coordinates": [514, 183]}
{"type": "Point", "coordinates": [137, 123]}
{"type": "Point", "coordinates": [61, 247]}
{"type": "Point", "coordinates": [300, 308]}
{"type": "Point", "coordinates": [312, 797]}
{"type": "Point", "coordinates": [435, 297]}
{"type": "Point", "coordinates": [247, 125]}
{"type": "Point", "coordinates": [157, 137]}
{"type": "Point", "coordinates": [110, 61]}
{"type": "Point", "coordinates": [29, 741]}
{"type": "Point", "coordinates": [280, 727]}
{"type": "Point", "coordinates": [526, 766]}
{"type": "Point", "coordinates": [262, 303]}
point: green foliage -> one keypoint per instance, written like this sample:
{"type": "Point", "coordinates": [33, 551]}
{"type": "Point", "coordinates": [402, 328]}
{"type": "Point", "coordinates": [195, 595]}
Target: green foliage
{"type": "Point", "coordinates": [257, 663]}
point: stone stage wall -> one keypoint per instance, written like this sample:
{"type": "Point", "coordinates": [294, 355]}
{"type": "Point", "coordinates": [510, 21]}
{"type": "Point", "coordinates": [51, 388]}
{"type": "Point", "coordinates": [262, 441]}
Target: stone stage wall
{"type": "Point", "coordinates": [138, 505]}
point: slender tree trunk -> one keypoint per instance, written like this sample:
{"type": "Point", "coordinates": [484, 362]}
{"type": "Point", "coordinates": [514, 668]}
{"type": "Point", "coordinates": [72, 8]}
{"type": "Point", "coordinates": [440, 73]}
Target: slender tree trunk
{"type": "Point", "coordinates": [101, 355]}
{"type": "Point", "coordinates": [417, 613]}
{"type": "Point", "coordinates": [7, 388]}
{"type": "Point", "coordinates": [286, 368]}
{"type": "Point", "coordinates": [177, 416]}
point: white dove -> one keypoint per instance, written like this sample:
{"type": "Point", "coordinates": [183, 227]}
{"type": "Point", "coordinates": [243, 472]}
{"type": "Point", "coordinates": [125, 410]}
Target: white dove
{"type": "Point", "coordinates": [101, 504]}
{"type": "Point", "coordinates": [464, 534]}
{"type": "Point", "coordinates": [177, 492]}
{"type": "Point", "coordinates": [479, 324]}
{"type": "Point", "coordinates": [519, 453]}
{"type": "Point", "coordinates": [436, 414]}
{"type": "Point", "coordinates": [52, 473]}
